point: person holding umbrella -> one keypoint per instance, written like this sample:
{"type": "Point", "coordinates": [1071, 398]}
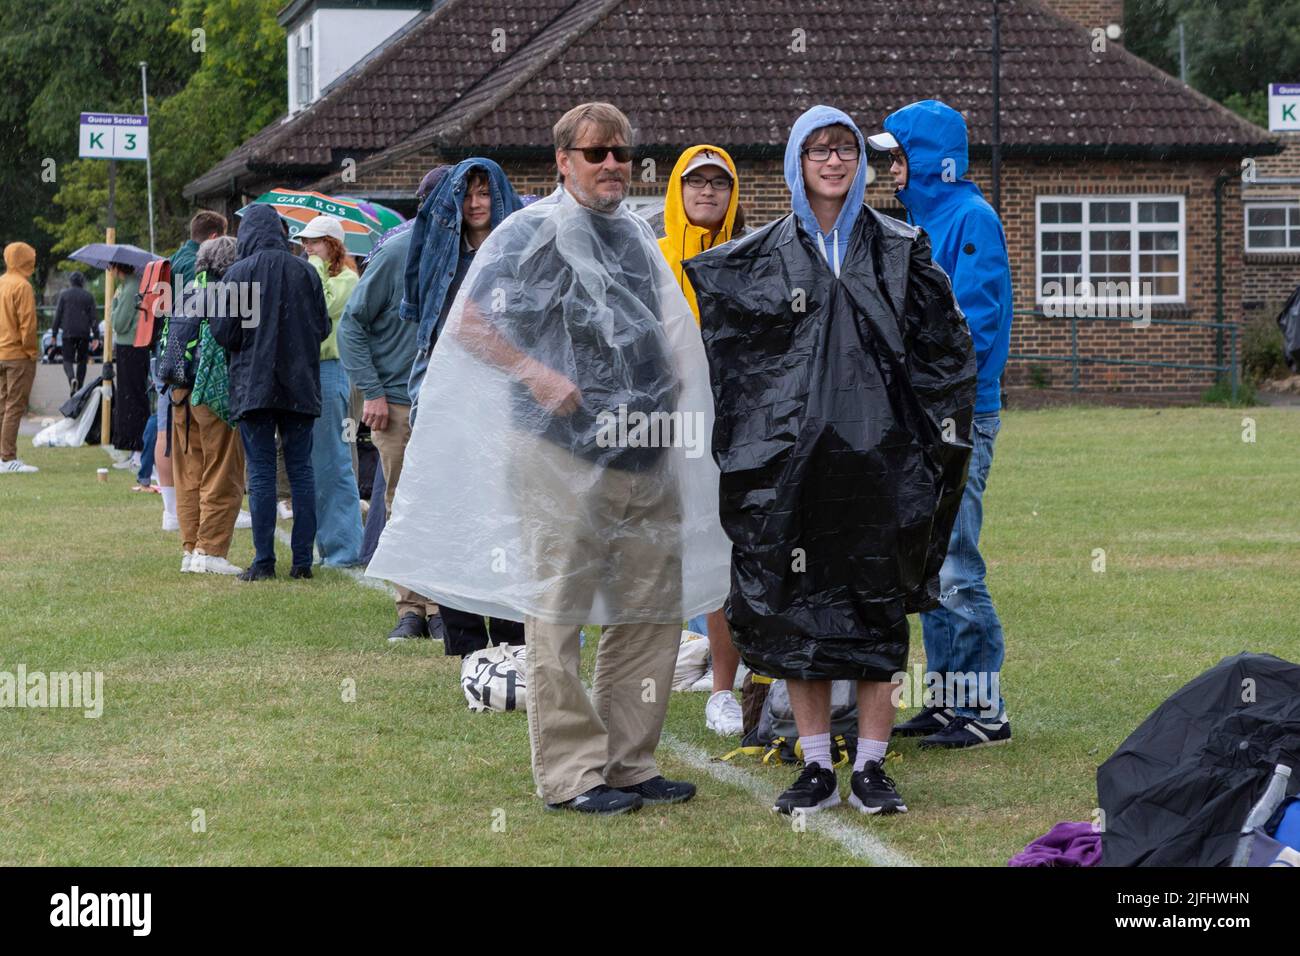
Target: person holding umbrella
{"type": "Point", "coordinates": [131, 394]}
{"type": "Point", "coordinates": [338, 503]}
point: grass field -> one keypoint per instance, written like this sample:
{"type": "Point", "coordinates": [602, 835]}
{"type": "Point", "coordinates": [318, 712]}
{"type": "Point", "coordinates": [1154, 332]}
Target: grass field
{"type": "Point", "coordinates": [227, 698]}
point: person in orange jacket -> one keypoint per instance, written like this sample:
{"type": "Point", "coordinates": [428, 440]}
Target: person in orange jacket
{"type": "Point", "coordinates": [18, 351]}
{"type": "Point", "coordinates": [702, 210]}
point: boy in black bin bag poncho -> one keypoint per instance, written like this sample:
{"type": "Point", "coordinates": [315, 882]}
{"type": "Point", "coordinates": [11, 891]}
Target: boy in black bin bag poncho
{"type": "Point", "coordinates": [844, 383]}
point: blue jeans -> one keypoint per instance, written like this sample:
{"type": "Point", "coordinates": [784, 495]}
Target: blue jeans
{"type": "Point", "coordinates": [964, 635]}
{"type": "Point", "coordinates": [145, 474]}
{"type": "Point", "coordinates": [699, 624]}
{"type": "Point", "coordinates": [258, 429]}
{"type": "Point", "coordinates": [338, 503]}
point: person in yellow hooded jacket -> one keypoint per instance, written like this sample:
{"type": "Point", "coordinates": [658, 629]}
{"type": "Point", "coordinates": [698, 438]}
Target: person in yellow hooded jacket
{"type": "Point", "coordinates": [17, 350]}
{"type": "Point", "coordinates": [702, 210]}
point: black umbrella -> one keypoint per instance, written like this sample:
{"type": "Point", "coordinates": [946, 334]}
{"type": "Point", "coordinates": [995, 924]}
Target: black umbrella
{"type": "Point", "coordinates": [102, 254]}
{"type": "Point", "coordinates": [1178, 789]}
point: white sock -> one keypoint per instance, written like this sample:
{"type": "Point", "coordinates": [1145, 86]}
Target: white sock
{"type": "Point", "coordinates": [169, 500]}
{"type": "Point", "coordinates": [816, 749]}
{"type": "Point", "coordinates": [869, 750]}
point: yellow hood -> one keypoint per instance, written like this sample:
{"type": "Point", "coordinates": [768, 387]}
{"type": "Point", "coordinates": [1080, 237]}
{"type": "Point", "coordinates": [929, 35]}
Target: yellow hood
{"type": "Point", "coordinates": [20, 258]}
{"type": "Point", "coordinates": [681, 239]}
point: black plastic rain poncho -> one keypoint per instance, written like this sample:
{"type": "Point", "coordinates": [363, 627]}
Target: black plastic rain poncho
{"type": "Point", "coordinates": [843, 434]}
{"type": "Point", "coordinates": [1178, 790]}
{"type": "Point", "coordinates": [1288, 321]}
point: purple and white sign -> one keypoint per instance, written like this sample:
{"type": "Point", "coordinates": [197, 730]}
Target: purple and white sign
{"type": "Point", "coordinates": [114, 136]}
{"type": "Point", "coordinates": [1284, 107]}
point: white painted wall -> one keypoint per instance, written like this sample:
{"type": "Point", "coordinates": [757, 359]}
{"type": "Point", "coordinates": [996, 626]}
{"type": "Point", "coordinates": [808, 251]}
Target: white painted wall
{"type": "Point", "coordinates": [339, 39]}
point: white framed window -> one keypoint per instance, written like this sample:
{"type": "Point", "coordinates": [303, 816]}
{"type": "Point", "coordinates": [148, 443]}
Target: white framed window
{"type": "Point", "coordinates": [303, 66]}
{"type": "Point", "coordinates": [1273, 226]}
{"type": "Point", "coordinates": [1139, 241]}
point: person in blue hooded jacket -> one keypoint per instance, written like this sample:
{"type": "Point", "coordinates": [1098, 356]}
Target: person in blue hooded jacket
{"type": "Point", "coordinates": [844, 381]}
{"type": "Point", "coordinates": [928, 145]}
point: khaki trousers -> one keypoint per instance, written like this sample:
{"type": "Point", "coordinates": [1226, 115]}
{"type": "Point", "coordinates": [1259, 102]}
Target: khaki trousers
{"type": "Point", "coordinates": [16, 378]}
{"type": "Point", "coordinates": [592, 536]}
{"type": "Point", "coordinates": [208, 471]}
{"type": "Point", "coordinates": [391, 445]}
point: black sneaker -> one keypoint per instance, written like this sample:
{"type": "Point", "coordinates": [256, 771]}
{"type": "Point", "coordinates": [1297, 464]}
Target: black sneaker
{"type": "Point", "coordinates": [302, 572]}
{"type": "Point", "coordinates": [602, 800]}
{"type": "Point", "coordinates": [871, 790]}
{"type": "Point", "coordinates": [658, 790]}
{"type": "Point", "coordinates": [929, 721]}
{"type": "Point", "coordinates": [816, 789]}
{"type": "Point", "coordinates": [436, 628]}
{"type": "Point", "coordinates": [257, 574]}
{"type": "Point", "coordinates": [410, 628]}
{"type": "Point", "coordinates": [970, 732]}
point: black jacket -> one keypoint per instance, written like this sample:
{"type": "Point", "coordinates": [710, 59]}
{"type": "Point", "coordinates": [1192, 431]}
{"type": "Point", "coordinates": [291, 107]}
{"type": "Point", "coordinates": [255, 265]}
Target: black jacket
{"type": "Point", "coordinates": [843, 433]}
{"type": "Point", "coordinates": [75, 314]}
{"type": "Point", "coordinates": [274, 354]}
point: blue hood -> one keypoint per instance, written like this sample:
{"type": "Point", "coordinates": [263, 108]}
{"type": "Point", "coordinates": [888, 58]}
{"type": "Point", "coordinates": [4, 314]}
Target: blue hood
{"type": "Point", "coordinates": [933, 135]}
{"type": "Point", "coordinates": [835, 245]}
{"type": "Point", "coordinates": [966, 237]}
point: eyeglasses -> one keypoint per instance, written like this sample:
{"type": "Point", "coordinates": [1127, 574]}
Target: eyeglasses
{"type": "Point", "coordinates": [596, 154]}
{"type": "Point", "coordinates": [721, 183]}
{"type": "Point", "coordinates": [819, 154]}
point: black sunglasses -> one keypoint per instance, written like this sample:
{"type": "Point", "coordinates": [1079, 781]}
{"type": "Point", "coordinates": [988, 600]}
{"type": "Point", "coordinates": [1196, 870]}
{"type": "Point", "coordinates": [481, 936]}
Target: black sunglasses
{"type": "Point", "coordinates": [596, 154]}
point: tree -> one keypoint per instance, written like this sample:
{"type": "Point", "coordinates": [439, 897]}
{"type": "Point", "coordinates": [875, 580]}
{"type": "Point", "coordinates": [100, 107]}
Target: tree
{"type": "Point", "coordinates": [1234, 49]}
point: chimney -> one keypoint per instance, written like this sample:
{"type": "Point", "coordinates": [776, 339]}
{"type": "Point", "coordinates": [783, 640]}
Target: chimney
{"type": "Point", "coordinates": [1092, 14]}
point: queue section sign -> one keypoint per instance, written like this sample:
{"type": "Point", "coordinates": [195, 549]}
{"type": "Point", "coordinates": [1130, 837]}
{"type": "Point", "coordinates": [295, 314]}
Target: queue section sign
{"type": "Point", "coordinates": [114, 136]}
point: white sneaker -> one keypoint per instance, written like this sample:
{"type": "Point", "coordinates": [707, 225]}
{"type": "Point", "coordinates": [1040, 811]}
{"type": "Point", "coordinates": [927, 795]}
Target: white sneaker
{"type": "Point", "coordinates": [212, 564]}
{"type": "Point", "coordinates": [170, 522]}
{"type": "Point", "coordinates": [245, 520]}
{"type": "Point", "coordinates": [283, 510]}
{"type": "Point", "coordinates": [186, 562]}
{"type": "Point", "coordinates": [17, 466]}
{"type": "Point", "coordinates": [722, 714]}
{"type": "Point", "coordinates": [704, 684]}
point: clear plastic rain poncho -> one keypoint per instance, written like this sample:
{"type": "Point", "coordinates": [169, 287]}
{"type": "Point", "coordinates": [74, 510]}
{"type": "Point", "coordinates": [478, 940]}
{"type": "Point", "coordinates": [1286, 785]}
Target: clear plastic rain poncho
{"type": "Point", "coordinates": [560, 464]}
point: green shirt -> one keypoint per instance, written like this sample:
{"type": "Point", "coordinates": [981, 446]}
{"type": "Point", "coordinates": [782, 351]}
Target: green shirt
{"type": "Point", "coordinates": [126, 310]}
{"type": "Point", "coordinates": [182, 261]}
{"type": "Point", "coordinates": [338, 289]}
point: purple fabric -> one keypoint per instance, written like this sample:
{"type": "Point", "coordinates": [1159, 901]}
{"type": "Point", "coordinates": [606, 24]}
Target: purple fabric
{"type": "Point", "coordinates": [1066, 844]}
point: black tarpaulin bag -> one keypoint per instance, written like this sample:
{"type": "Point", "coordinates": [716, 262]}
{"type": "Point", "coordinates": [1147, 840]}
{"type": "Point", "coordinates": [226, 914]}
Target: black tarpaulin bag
{"type": "Point", "coordinates": [1289, 322]}
{"type": "Point", "coordinates": [1177, 791]}
{"type": "Point", "coordinates": [843, 433]}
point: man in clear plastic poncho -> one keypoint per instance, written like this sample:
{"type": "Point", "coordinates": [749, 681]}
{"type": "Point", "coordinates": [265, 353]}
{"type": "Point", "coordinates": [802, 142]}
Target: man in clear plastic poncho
{"type": "Point", "coordinates": [559, 472]}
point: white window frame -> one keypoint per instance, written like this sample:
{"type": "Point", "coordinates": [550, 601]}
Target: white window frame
{"type": "Point", "coordinates": [1292, 205]}
{"type": "Point", "coordinates": [1135, 228]}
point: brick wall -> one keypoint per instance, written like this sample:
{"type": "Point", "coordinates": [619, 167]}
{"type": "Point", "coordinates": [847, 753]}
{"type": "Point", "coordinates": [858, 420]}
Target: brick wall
{"type": "Point", "coordinates": [1268, 279]}
{"type": "Point", "coordinates": [765, 197]}
{"type": "Point", "coordinates": [1089, 13]}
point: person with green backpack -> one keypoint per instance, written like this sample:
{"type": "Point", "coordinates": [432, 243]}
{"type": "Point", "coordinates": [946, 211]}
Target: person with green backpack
{"type": "Point", "coordinates": [207, 453]}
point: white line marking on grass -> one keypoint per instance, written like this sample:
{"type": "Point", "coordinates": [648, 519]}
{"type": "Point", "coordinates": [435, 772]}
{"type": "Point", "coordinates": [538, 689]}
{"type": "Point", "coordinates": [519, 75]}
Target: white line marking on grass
{"type": "Point", "coordinates": [854, 840]}
{"type": "Point", "coordinates": [356, 574]}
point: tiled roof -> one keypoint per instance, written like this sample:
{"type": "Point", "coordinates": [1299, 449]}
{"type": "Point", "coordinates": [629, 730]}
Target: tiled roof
{"type": "Point", "coordinates": [733, 72]}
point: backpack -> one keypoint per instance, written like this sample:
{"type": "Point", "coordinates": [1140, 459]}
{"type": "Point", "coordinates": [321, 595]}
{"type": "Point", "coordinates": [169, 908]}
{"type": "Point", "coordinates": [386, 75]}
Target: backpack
{"type": "Point", "coordinates": [155, 298]}
{"type": "Point", "coordinates": [775, 738]}
{"type": "Point", "coordinates": [178, 351]}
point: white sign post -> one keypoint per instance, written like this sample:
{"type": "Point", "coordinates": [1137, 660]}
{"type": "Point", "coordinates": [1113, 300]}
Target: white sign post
{"type": "Point", "coordinates": [1284, 107]}
{"type": "Point", "coordinates": [114, 136]}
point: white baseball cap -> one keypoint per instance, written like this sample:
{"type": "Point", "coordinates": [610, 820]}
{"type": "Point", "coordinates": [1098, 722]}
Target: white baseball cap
{"type": "Point", "coordinates": [883, 142]}
{"type": "Point", "coordinates": [705, 157]}
{"type": "Point", "coordinates": [320, 227]}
